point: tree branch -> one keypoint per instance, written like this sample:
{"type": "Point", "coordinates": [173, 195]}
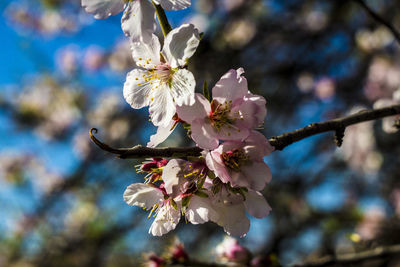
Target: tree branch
{"type": "Point", "coordinates": [279, 142]}
{"type": "Point", "coordinates": [379, 19]}
{"type": "Point", "coordinates": [352, 258]}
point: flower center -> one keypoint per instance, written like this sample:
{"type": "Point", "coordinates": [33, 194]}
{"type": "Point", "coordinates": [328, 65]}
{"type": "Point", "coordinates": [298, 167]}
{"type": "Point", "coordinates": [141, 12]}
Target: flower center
{"type": "Point", "coordinates": [219, 115]}
{"type": "Point", "coordinates": [233, 160]}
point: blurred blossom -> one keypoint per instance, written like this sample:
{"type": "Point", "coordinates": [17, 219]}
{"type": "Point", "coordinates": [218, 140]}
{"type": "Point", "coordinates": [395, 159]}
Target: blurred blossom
{"type": "Point", "coordinates": [315, 20]}
{"type": "Point", "coordinates": [200, 21]}
{"type": "Point", "coordinates": [376, 39]}
{"type": "Point", "coordinates": [359, 148]}
{"type": "Point", "coordinates": [177, 252]}
{"type": "Point", "coordinates": [305, 82]}
{"type": "Point", "coordinates": [382, 80]}
{"type": "Point", "coordinates": [230, 252]}
{"type": "Point", "coordinates": [152, 260]}
{"type": "Point", "coordinates": [93, 58]}
{"type": "Point", "coordinates": [239, 32]}
{"type": "Point", "coordinates": [13, 167]}
{"type": "Point", "coordinates": [388, 123]}
{"type": "Point", "coordinates": [43, 179]}
{"type": "Point", "coordinates": [82, 213]}
{"type": "Point", "coordinates": [67, 59]}
{"type": "Point", "coordinates": [205, 6]}
{"type": "Point", "coordinates": [82, 144]}
{"type": "Point", "coordinates": [53, 108]}
{"type": "Point", "coordinates": [325, 88]}
{"type": "Point", "coordinates": [107, 105]}
{"type": "Point", "coordinates": [121, 59]}
{"type": "Point", "coordinates": [230, 5]}
{"type": "Point", "coordinates": [119, 129]}
{"type": "Point", "coordinates": [369, 226]}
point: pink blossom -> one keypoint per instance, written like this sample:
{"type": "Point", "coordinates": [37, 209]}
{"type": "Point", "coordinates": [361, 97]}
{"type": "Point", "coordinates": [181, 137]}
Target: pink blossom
{"type": "Point", "coordinates": [230, 250]}
{"type": "Point", "coordinates": [231, 115]}
{"type": "Point", "coordinates": [241, 163]}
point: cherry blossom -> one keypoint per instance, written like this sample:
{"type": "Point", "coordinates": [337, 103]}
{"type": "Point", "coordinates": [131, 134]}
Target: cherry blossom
{"type": "Point", "coordinates": [231, 115]}
{"type": "Point", "coordinates": [161, 81]}
{"type": "Point", "coordinates": [138, 21]}
{"type": "Point", "coordinates": [241, 163]}
{"type": "Point", "coordinates": [229, 250]}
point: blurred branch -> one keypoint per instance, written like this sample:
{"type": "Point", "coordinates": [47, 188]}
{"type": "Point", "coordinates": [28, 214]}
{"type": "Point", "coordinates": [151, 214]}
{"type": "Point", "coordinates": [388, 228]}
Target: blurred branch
{"type": "Point", "coordinates": [379, 19]}
{"type": "Point", "coordinates": [352, 258]}
{"type": "Point", "coordinates": [162, 19]}
{"type": "Point", "coordinates": [279, 142]}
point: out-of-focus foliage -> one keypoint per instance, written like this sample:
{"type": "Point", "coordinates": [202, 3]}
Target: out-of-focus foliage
{"type": "Point", "coordinates": [61, 197]}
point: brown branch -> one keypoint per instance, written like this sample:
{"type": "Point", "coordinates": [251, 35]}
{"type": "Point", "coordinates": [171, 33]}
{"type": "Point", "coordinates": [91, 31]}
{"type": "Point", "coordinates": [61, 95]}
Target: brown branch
{"type": "Point", "coordinates": [379, 19]}
{"type": "Point", "coordinates": [279, 142]}
{"type": "Point", "coordinates": [352, 258]}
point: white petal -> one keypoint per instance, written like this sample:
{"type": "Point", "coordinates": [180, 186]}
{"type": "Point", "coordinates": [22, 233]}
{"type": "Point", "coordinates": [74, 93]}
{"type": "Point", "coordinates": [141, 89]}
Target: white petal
{"type": "Point", "coordinates": [138, 21]}
{"type": "Point", "coordinates": [170, 174]}
{"type": "Point", "coordinates": [142, 195]}
{"type": "Point", "coordinates": [102, 9]}
{"type": "Point", "coordinates": [200, 210]}
{"type": "Point", "coordinates": [182, 87]}
{"type": "Point", "coordinates": [256, 205]}
{"type": "Point", "coordinates": [180, 44]}
{"type": "Point", "coordinates": [173, 4]}
{"type": "Point", "coordinates": [167, 219]}
{"type": "Point", "coordinates": [136, 89]}
{"type": "Point", "coordinates": [162, 133]}
{"type": "Point", "coordinates": [233, 219]}
{"type": "Point", "coordinates": [162, 107]}
{"type": "Point", "coordinates": [147, 55]}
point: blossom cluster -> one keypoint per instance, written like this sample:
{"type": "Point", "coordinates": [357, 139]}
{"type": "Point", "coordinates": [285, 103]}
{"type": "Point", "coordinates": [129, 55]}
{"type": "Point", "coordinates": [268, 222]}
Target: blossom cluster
{"type": "Point", "coordinates": [225, 181]}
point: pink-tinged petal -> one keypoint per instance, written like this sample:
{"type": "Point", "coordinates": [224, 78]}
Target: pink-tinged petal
{"type": "Point", "coordinates": [200, 210]}
{"type": "Point", "coordinates": [166, 220]}
{"type": "Point", "coordinates": [233, 219]}
{"type": "Point", "coordinates": [102, 9]}
{"type": "Point", "coordinates": [202, 134]}
{"type": "Point", "coordinates": [257, 175]}
{"type": "Point", "coordinates": [138, 21]}
{"type": "Point", "coordinates": [170, 175]}
{"type": "Point", "coordinates": [199, 109]}
{"type": "Point", "coordinates": [231, 133]}
{"type": "Point", "coordinates": [260, 102]}
{"type": "Point", "coordinates": [162, 133]}
{"type": "Point", "coordinates": [182, 87]}
{"type": "Point", "coordinates": [180, 44]}
{"type": "Point", "coordinates": [231, 86]}
{"type": "Point", "coordinates": [147, 55]}
{"type": "Point", "coordinates": [256, 205]}
{"type": "Point", "coordinates": [142, 195]}
{"type": "Point", "coordinates": [173, 4]}
{"type": "Point", "coordinates": [244, 115]}
{"type": "Point", "coordinates": [136, 90]}
{"type": "Point", "coordinates": [219, 168]}
{"type": "Point", "coordinates": [162, 106]}
{"type": "Point", "coordinates": [257, 146]}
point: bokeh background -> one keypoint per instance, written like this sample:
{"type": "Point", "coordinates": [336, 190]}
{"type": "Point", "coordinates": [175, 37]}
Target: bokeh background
{"type": "Point", "coordinates": [62, 72]}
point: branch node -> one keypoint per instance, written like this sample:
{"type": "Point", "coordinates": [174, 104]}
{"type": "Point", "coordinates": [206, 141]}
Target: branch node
{"type": "Point", "coordinates": [339, 134]}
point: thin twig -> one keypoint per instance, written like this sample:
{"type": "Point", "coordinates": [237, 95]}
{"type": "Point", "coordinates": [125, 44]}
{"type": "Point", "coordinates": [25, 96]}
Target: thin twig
{"type": "Point", "coordinates": [352, 258]}
{"type": "Point", "coordinates": [379, 19]}
{"type": "Point", "coordinates": [279, 142]}
{"type": "Point", "coordinates": [162, 19]}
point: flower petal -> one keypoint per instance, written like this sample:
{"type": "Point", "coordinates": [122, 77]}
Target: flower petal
{"type": "Point", "coordinates": [142, 195]}
{"type": "Point", "coordinates": [167, 219]}
{"type": "Point", "coordinates": [256, 205]}
{"type": "Point", "coordinates": [182, 87]}
{"type": "Point", "coordinates": [231, 86]}
{"type": "Point", "coordinates": [200, 210]}
{"type": "Point", "coordinates": [173, 4]}
{"type": "Point", "coordinates": [136, 90]}
{"type": "Point", "coordinates": [256, 176]}
{"type": "Point", "coordinates": [138, 21]}
{"type": "Point", "coordinates": [170, 174]}
{"type": "Point", "coordinates": [102, 9]}
{"type": "Point", "coordinates": [147, 55]}
{"type": "Point", "coordinates": [162, 133]}
{"type": "Point", "coordinates": [180, 44]}
{"type": "Point", "coordinates": [200, 109]}
{"type": "Point", "coordinates": [162, 107]}
{"type": "Point", "coordinates": [202, 134]}
{"type": "Point", "coordinates": [233, 219]}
